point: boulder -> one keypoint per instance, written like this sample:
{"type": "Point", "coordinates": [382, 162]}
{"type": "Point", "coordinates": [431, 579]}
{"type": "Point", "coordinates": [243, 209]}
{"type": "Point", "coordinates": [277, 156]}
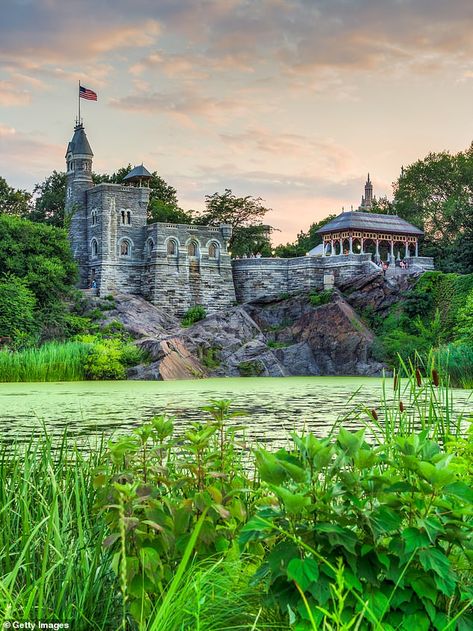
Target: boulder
{"type": "Point", "coordinates": [140, 318]}
{"type": "Point", "coordinates": [170, 359]}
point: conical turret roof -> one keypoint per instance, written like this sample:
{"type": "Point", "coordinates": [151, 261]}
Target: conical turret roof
{"type": "Point", "coordinates": [79, 143]}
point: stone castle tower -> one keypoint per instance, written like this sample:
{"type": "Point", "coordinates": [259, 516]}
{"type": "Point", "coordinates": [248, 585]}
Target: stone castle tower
{"type": "Point", "coordinates": [176, 266]}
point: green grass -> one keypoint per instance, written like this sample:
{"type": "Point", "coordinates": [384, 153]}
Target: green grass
{"type": "Point", "coordinates": [457, 361]}
{"type": "Point", "coordinates": [54, 361]}
{"type": "Point", "coordinates": [52, 563]}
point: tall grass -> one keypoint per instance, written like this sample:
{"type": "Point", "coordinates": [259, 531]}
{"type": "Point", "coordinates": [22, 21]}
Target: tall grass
{"type": "Point", "coordinates": [54, 361]}
{"type": "Point", "coordinates": [457, 361]}
{"type": "Point", "coordinates": [53, 566]}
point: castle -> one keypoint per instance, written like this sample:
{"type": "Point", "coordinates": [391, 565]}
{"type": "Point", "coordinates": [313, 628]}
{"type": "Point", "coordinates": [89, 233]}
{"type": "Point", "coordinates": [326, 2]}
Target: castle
{"type": "Point", "coordinates": [178, 266]}
{"type": "Point", "coordinates": [173, 266]}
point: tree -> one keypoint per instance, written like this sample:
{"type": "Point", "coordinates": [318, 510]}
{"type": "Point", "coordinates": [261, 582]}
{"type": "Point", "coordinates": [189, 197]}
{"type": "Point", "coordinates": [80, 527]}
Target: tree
{"type": "Point", "coordinates": [38, 254]}
{"type": "Point", "coordinates": [18, 324]}
{"type": "Point", "coordinates": [436, 194]}
{"type": "Point", "coordinates": [241, 213]}
{"type": "Point", "coordinates": [49, 203]}
{"type": "Point", "coordinates": [13, 201]}
{"type": "Point", "coordinates": [304, 242]}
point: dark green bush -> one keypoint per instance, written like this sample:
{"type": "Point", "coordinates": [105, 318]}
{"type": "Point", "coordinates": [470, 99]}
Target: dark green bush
{"type": "Point", "coordinates": [250, 368]}
{"type": "Point", "coordinates": [193, 315]}
{"type": "Point", "coordinates": [18, 322]}
{"type": "Point", "coordinates": [321, 297]}
{"type": "Point", "coordinates": [385, 530]}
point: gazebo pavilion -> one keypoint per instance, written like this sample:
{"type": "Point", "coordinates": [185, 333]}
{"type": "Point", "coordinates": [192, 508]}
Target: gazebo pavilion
{"type": "Point", "coordinates": [353, 232]}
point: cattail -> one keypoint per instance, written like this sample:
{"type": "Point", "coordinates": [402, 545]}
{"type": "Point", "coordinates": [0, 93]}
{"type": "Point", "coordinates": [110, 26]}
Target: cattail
{"type": "Point", "coordinates": [401, 406]}
{"type": "Point", "coordinates": [435, 378]}
{"type": "Point", "coordinates": [374, 414]}
{"type": "Point", "coordinates": [418, 377]}
{"type": "Point", "coordinates": [396, 379]}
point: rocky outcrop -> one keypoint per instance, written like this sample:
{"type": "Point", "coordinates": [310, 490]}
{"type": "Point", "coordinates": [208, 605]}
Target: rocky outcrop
{"type": "Point", "coordinates": [267, 338]}
{"type": "Point", "coordinates": [139, 317]}
{"type": "Point", "coordinates": [168, 359]}
{"type": "Point", "coordinates": [376, 293]}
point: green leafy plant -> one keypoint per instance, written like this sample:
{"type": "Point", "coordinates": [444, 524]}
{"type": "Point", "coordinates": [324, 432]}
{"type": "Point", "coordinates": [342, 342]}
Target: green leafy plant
{"type": "Point", "coordinates": [396, 516]}
{"type": "Point", "coordinates": [165, 493]}
{"type": "Point", "coordinates": [320, 298]}
{"type": "Point", "coordinates": [193, 315]}
{"type": "Point", "coordinates": [251, 368]}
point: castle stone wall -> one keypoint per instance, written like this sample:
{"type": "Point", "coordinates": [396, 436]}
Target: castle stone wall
{"type": "Point", "coordinates": [179, 280]}
{"type": "Point", "coordinates": [264, 278]}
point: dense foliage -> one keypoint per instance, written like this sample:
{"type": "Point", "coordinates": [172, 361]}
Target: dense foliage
{"type": "Point", "coordinates": [38, 269]}
{"type": "Point", "coordinates": [244, 215]}
{"type": "Point", "coordinates": [193, 315]}
{"type": "Point", "coordinates": [437, 312]}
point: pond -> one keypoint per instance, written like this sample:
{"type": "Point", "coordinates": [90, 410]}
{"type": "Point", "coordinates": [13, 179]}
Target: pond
{"type": "Point", "coordinates": [273, 406]}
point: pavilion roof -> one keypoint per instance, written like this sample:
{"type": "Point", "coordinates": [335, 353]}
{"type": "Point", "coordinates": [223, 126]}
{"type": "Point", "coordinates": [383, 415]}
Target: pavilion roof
{"type": "Point", "coordinates": [370, 222]}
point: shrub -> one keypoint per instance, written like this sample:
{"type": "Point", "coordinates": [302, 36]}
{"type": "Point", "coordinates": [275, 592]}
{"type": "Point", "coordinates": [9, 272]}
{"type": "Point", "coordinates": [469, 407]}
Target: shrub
{"type": "Point", "coordinates": [210, 357]}
{"type": "Point", "coordinates": [193, 315]}
{"type": "Point", "coordinates": [17, 312]}
{"type": "Point", "coordinates": [253, 368]}
{"type": "Point", "coordinates": [389, 524]}
{"type": "Point", "coordinates": [321, 298]}
{"type": "Point", "coordinates": [104, 360]}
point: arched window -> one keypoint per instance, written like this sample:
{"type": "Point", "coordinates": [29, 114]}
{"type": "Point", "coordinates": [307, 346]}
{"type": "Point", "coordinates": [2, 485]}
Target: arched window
{"type": "Point", "coordinates": [172, 248]}
{"type": "Point", "coordinates": [94, 217]}
{"type": "Point", "coordinates": [95, 247]}
{"type": "Point", "coordinates": [149, 247]}
{"type": "Point", "coordinates": [122, 215]}
{"type": "Point", "coordinates": [125, 248]}
{"type": "Point", "coordinates": [193, 249]}
{"type": "Point", "coordinates": [128, 217]}
{"type": "Point", "coordinates": [213, 251]}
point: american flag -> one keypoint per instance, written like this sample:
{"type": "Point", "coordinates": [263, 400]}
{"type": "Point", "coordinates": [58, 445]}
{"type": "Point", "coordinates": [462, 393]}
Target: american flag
{"type": "Point", "coordinates": [85, 93]}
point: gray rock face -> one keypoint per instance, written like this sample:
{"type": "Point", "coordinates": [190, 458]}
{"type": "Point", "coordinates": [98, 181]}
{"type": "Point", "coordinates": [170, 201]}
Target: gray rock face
{"type": "Point", "coordinates": [140, 318]}
{"type": "Point", "coordinates": [284, 337]}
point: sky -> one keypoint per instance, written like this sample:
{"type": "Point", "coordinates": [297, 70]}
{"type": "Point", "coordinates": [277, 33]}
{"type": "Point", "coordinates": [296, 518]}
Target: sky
{"type": "Point", "coordinates": [293, 101]}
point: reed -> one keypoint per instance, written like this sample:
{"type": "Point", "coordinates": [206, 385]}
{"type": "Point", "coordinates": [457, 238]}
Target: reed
{"type": "Point", "coordinates": [53, 567]}
{"type": "Point", "coordinates": [54, 361]}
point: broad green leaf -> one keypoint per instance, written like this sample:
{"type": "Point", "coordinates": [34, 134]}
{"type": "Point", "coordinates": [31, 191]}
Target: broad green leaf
{"type": "Point", "coordinates": [295, 572]}
{"type": "Point", "coordinates": [338, 536]}
{"type": "Point", "coordinates": [269, 467]}
{"type": "Point", "coordinates": [424, 587]}
{"type": "Point", "coordinates": [255, 529]}
{"type": "Point", "coordinates": [294, 503]}
{"type": "Point", "coordinates": [413, 539]}
{"type": "Point", "coordinates": [385, 520]}
{"type": "Point", "coordinates": [434, 559]}
{"type": "Point", "coordinates": [350, 441]}
{"type": "Point", "coordinates": [461, 490]}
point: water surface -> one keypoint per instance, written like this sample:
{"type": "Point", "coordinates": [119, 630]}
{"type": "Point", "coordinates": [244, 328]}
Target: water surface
{"type": "Point", "coordinates": [274, 406]}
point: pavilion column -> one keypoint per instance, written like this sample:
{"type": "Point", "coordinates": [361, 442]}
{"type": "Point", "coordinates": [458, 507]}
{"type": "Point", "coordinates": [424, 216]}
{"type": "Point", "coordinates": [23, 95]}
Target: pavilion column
{"type": "Point", "coordinates": [351, 244]}
{"type": "Point", "coordinates": [417, 248]}
{"type": "Point", "coordinates": [407, 250]}
{"type": "Point", "coordinates": [392, 251]}
{"type": "Point", "coordinates": [362, 241]}
{"type": "Point", "coordinates": [331, 248]}
{"type": "Point", "coordinates": [377, 250]}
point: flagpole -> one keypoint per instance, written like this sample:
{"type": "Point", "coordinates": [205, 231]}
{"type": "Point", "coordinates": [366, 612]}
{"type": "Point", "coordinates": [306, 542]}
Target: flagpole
{"type": "Point", "coordinates": [79, 103]}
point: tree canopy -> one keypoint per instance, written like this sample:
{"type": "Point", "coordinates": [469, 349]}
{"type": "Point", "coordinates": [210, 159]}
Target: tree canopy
{"type": "Point", "coordinates": [13, 201]}
{"type": "Point", "coordinates": [436, 194]}
{"type": "Point", "coordinates": [243, 214]}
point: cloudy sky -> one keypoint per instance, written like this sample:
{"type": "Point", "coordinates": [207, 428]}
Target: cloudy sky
{"type": "Point", "coordinates": [291, 100]}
